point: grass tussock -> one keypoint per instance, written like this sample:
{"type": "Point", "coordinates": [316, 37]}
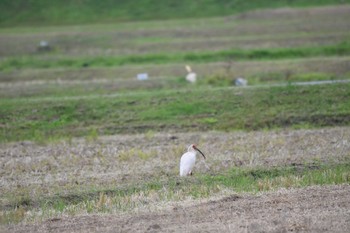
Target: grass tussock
{"type": "Point", "coordinates": [132, 154]}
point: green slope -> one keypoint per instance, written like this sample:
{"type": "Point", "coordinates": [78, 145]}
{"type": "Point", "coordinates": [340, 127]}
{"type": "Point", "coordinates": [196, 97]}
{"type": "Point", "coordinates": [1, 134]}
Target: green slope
{"type": "Point", "coordinates": [42, 12]}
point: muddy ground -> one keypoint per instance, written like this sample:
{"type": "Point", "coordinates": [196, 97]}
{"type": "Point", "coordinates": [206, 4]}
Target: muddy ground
{"type": "Point", "coordinates": [313, 209]}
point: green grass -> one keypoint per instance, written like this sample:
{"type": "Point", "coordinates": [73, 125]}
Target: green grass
{"type": "Point", "coordinates": [200, 108]}
{"type": "Point", "coordinates": [40, 12]}
{"type": "Point", "coordinates": [22, 62]}
{"type": "Point", "coordinates": [136, 195]}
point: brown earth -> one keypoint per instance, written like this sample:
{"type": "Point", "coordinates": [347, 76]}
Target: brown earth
{"type": "Point", "coordinates": [313, 209]}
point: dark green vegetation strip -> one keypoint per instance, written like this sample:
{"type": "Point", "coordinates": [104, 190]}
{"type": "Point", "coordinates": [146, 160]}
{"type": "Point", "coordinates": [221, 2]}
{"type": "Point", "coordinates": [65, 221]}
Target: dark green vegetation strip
{"type": "Point", "coordinates": [41, 12]}
{"type": "Point", "coordinates": [196, 109]}
{"type": "Point", "coordinates": [340, 49]}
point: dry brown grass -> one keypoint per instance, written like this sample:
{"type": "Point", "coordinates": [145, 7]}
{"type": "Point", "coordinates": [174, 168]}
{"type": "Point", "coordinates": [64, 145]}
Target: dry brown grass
{"type": "Point", "coordinates": [313, 209]}
{"type": "Point", "coordinates": [30, 169]}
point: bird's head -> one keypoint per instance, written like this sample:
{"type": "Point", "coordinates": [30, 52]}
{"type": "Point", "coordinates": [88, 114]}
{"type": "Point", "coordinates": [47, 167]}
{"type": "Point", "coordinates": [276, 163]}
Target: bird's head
{"type": "Point", "coordinates": [193, 147]}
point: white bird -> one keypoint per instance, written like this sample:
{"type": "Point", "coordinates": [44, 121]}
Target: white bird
{"type": "Point", "coordinates": [188, 160]}
{"type": "Point", "coordinates": [191, 76]}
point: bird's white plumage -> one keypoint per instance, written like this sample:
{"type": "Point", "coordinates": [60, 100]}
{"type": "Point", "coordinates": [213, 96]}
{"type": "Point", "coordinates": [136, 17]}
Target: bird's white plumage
{"type": "Point", "coordinates": [187, 163]}
{"type": "Point", "coordinates": [188, 160]}
{"type": "Point", "coordinates": [191, 76]}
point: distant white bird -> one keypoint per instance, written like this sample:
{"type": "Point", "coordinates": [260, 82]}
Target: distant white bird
{"type": "Point", "coordinates": [241, 82]}
{"type": "Point", "coordinates": [188, 160]}
{"type": "Point", "coordinates": [191, 76]}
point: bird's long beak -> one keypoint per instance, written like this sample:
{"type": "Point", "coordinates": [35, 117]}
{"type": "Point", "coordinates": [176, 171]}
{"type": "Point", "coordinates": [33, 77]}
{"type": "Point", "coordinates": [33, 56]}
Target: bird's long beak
{"type": "Point", "coordinates": [200, 152]}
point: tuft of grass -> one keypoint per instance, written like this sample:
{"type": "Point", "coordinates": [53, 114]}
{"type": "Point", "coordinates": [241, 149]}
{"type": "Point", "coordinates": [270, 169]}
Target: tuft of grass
{"type": "Point", "coordinates": [219, 79]}
{"type": "Point", "coordinates": [149, 135]}
{"type": "Point", "coordinates": [92, 135]}
{"type": "Point", "coordinates": [14, 216]}
{"type": "Point", "coordinates": [305, 77]}
{"type": "Point", "coordinates": [209, 120]}
{"type": "Point", "coordinates": [134, 153]}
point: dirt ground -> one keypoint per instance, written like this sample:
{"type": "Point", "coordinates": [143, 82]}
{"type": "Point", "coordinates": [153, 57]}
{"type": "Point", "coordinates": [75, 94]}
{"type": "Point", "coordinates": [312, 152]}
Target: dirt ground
{"type": "Point", "coordinates": [313, 209]}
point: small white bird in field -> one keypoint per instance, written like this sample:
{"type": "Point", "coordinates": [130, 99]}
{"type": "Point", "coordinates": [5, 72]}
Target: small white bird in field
{"type": "Point", "coordinates": [188, 160]}
{"type": "Point", "coordinates": [191, 76]}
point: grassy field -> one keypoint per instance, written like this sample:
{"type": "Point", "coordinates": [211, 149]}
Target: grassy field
{"type": "Point", "coordinates": [123, 173]}
{"type": "Point", "coordinates": [81, 136]}
{"type": "Point", "coordinates": [341, 49]}
{"type": "Point", "coordinates": [21, 12]}
{"type": "Point", "coordinates": [149, 194]}
{"type": "Point", "coordinates": [188, 109]}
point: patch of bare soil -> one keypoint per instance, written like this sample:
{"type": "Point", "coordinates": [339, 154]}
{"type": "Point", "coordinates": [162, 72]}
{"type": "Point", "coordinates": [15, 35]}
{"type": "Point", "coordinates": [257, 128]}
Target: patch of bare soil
{"type": "Point", "coordinates": [312, 209]}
